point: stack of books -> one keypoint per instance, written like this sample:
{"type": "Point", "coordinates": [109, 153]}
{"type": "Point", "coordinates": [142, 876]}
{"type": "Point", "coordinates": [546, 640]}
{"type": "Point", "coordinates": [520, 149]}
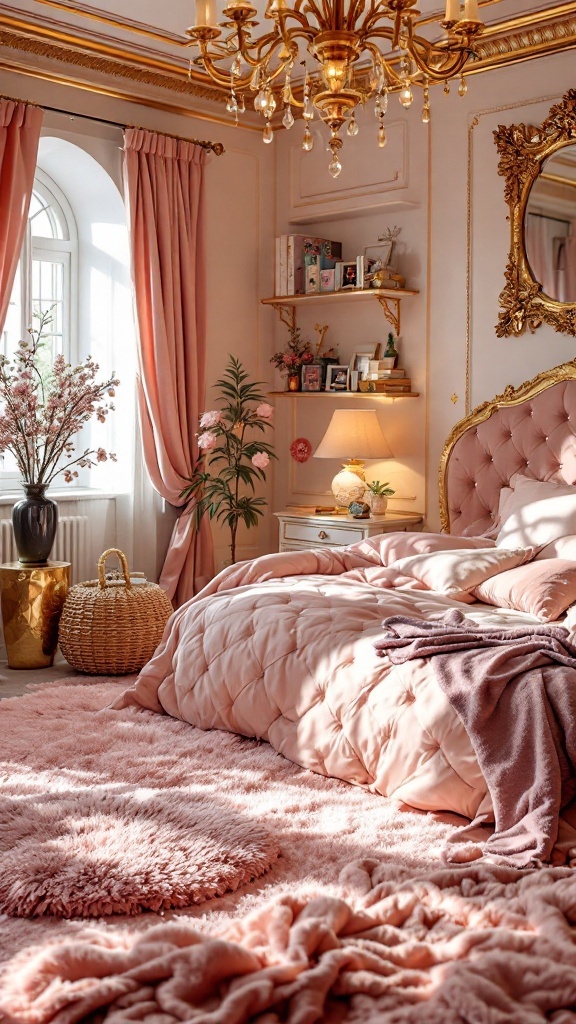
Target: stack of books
{"type": "Point", "coordinates": [305, 264]}
{"type": "Point", "coordinates": [386, 382]}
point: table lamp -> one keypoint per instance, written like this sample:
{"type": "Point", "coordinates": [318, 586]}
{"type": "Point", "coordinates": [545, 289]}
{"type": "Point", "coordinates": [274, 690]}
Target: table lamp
{"type": "Point", "coordinates": [355, 435]}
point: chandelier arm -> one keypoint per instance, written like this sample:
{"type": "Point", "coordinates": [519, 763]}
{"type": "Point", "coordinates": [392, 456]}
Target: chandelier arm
{"type": "Point", "coordinates": [459, 60]}
{"type": "Point", "coordinates": [392, 76]}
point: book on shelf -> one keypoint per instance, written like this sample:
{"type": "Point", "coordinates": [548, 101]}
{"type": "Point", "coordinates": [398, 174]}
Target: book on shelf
{"type": "Point", "coordinates": [295, 253]}
{"type": "Point", "coordinates": [385, 387]}
{"type": "Point", "coordinates": [399, 371]}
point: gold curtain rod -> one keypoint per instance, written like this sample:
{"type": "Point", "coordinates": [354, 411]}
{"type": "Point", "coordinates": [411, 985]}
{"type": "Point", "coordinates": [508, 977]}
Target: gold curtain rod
{"type": "Point", "coordinates": [215, 147]}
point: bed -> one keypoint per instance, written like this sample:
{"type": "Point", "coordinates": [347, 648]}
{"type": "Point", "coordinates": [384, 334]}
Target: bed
{"type": "Point", "coordinates": [291, 648]}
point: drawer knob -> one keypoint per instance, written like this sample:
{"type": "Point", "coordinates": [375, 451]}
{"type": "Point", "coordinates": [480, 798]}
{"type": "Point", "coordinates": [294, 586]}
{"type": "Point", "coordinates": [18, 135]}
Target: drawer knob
{"type": "Point", "coordinates": [323, 535]}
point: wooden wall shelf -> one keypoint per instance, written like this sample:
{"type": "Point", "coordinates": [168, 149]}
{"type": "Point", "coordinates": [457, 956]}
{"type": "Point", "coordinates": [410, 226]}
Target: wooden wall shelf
{"type": "Point", "coordinates": [389, 299]}
{"type": "Point", "coordinates": [343, 394]}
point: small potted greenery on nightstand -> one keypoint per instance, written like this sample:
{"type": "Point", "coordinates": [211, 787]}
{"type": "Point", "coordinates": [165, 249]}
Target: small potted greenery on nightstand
{"type": "Point", "coordinates": [377, 495]}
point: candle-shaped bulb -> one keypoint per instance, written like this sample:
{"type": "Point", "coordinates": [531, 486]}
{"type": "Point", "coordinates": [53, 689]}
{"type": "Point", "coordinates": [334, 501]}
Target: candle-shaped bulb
{"type": "Point", "coordinates": [470, 10]}
{"type": "Point", "coordinates": [452, 10]}
{"type": "Point", "coordinates": [206, 12]}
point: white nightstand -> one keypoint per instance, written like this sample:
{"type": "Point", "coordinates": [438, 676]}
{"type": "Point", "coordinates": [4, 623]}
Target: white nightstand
{"type": "Point", "coordinates": [300, 530]}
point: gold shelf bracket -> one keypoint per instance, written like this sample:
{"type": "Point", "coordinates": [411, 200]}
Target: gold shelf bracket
{"type": "Point", "coordinates": [392, 315]}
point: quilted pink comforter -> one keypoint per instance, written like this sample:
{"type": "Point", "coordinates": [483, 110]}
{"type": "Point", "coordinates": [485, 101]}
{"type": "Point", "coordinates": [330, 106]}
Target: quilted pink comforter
{"type": "Point", "coordinates": [281, 649]}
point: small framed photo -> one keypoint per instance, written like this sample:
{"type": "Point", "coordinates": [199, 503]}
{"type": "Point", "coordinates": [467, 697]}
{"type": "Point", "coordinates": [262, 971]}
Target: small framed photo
{"type": "Point", "coordinates": [311, 377]}
{"type": "Point", "coordinates": [327, 280]}
{"type": "Point", "coordinates": [348, 274]}
{"type": "Point", "coordinates": [361, 362]}
{"type": "Point", "coordinates": [379, 253]}
{"type": "Point", "coordinates": [337, 378]}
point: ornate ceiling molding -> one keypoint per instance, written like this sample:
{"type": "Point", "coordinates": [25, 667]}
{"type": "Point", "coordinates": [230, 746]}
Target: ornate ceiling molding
{"type": "Point", "coordinates": [524, 38]}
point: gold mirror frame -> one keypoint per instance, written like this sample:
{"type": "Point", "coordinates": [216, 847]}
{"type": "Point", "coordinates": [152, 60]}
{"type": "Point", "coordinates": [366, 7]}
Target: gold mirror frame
{"type": "Point", "coordinates": [523, 149]}
{"type": "Point", "coordinates": [509, 397]}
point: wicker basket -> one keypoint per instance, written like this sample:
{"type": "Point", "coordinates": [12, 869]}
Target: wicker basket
{"type": "Point", "coordinates": [110, 626]}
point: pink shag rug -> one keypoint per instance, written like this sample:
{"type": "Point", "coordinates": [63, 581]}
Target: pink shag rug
{"type": "Point", "coordinates": [97, 820]}
{"type": "Point", "coordinates": [358, 920]}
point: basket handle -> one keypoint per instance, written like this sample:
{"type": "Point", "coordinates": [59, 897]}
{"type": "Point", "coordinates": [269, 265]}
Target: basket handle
{"type": "Point", "coordinates": [123, 562]}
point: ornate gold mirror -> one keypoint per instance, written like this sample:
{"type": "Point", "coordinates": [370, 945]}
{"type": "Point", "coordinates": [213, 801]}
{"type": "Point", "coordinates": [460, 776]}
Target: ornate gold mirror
{"type": "Point", "coordinates": [538, 163]}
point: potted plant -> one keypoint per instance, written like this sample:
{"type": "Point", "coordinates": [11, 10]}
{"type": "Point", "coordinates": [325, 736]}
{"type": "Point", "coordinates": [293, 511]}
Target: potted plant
{"type": "Point", "coordinates": [377, 495]}
{"type": "Point", "coordinates": [291, 360]}
{"type": "Point", "coordinates": [231, 462]}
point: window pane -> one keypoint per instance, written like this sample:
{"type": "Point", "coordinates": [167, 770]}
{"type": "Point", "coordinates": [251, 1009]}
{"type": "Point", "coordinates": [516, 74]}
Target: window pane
{"type": "Point", "coordinates": [47, 294]}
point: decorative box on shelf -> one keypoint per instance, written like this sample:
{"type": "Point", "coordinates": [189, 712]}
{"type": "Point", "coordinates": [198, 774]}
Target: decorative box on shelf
{"type": "Point", "coordinates": [299, 530]}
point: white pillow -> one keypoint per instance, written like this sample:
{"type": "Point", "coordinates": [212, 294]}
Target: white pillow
{"type": "Point", "coordinates": [537, 512]}
{"type": "Point", "coordinates": [458, 571]}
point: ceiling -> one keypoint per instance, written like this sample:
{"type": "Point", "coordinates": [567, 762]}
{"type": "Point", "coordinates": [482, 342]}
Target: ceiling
{"type": "Point", "coordinates": [136, 49]}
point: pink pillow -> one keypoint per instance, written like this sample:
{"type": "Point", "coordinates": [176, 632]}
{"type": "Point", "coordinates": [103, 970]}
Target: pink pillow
{"type": "Point", "coordinates": [536, 512]}
{"type": "Point", "coordinates": [562, 547]}
{"type": "Point", "coordinates": [542, 588]}
{"type": "Point", "coordinates": [392, 546]}
{"type": "Point", "coordinates": [457, 571]}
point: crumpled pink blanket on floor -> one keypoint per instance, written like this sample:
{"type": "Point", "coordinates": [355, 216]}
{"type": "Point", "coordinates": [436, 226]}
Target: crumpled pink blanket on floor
{"type": "Point", "coordinates": [482, 944]}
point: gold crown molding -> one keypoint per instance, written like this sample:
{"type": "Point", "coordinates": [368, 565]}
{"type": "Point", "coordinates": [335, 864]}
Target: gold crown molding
{"type": "Point", "coordinates": [526, 44]}
{"type": "Point", "coordinates": [125, 24]}
{"type": "Point", "coordinates": [123, 65]}
{"type": "Point", "coordinates": [116, 94]}
{"type": "Point", "coordinates": [509, 397]}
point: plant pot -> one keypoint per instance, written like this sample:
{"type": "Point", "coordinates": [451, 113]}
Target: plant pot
{"type": "Point", "coordinates": [378, 503]}
{"type": "Point", "coordinates": [34, 520]}
{"type": "Point", "coordinates": [293, 382]}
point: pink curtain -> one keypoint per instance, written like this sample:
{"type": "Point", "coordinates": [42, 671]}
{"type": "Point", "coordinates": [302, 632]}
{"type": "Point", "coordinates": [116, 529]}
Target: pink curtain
{"type": "Point", "coordinates": [163, 184]}
{"type": "Point", "coordinates": [20, 125]}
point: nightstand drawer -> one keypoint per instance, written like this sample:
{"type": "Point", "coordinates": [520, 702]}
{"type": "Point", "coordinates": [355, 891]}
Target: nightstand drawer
{"type": "Point", "coordinates": [321, 534]}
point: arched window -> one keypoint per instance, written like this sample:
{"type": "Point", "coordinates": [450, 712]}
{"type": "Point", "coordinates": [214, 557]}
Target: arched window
{"type": "Point", "coordinates": [46, 279]}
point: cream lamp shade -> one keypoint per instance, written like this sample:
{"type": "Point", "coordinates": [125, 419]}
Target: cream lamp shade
{"type": "Point", "coordinates": [355, 435]}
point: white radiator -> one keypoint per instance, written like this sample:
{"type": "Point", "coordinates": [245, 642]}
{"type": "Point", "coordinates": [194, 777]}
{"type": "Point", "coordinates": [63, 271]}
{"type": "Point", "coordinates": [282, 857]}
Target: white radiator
{"type": "Point", "coordinates": [71, 545]}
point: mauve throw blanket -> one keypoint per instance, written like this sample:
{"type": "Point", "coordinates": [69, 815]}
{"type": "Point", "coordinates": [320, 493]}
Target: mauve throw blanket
{"type": "Point", "coordinates": [515, 691]}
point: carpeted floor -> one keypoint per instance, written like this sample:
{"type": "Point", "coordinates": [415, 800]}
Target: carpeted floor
{"type": "Point", "coordinates": [357, 920]}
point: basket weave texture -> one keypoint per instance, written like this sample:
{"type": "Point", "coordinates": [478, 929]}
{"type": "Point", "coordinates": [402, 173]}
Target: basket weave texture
{"type": "Point", "coordinates": [112, 627]}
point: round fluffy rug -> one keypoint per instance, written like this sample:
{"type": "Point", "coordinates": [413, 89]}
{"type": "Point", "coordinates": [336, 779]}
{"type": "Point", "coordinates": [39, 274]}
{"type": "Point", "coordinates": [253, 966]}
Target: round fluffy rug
{"type": "Point", "coordinates": [107, 812]}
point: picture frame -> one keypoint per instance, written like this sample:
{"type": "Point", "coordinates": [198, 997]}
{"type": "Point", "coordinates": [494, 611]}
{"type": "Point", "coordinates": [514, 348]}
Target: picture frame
{"type": "Point", "coordinates": [311, 377]}
{"type": "Point", "coordinates": [380, 252]}
{"type": "Point", "coordinates": [347, 274]}
{"type": "Point", "coordinates": [336, 378]}
{"type": "Point", "coordinates": [360, 361]}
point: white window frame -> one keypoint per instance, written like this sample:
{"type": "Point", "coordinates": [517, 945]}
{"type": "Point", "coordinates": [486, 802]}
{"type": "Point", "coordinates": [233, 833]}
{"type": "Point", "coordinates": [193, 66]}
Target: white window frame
{"type": "Point", "coordinates": [52, 250]}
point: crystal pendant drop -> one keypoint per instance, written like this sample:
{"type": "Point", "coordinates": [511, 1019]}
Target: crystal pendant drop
{"type": "Point", "coordinates": [462, 88]}
{"type": "Point", "coordinates": [267, 134]}
{"type": "Point", "coordinates": [308, 109]}
{"type": "Point", "coordinates": [384, 101]}
{"type": "Point", "coordinates": [308, 141]}
{"type": "Point", "coordinates": [446, 88]}
{"type": "Point", "coordinates": [381, 136]}
{"type": "Point", "coordinates": [241, 104]}
{"type": "Point", "coordinates": [334, 166]}
{"type": "Point", "coordinates": [352, 128]}
{"type": "Point", "coordinates": [405, 96]}
{"type": "Point", "coordinates": [232, 106]}
{"type": "Point", "coordinates": [260, 101]}
{"type": "Point", "coordinates": [378, 107]}
{"type": "Point", "coordinates": [270, 103]}
{"type": "Point", "coordinates": [426, 114]}
{"type": "Point", "coordinates": [288, 119]}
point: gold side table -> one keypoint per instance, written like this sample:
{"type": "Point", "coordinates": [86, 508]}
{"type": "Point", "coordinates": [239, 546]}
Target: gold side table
{"type": "Point", "coordinates": [32, 597]}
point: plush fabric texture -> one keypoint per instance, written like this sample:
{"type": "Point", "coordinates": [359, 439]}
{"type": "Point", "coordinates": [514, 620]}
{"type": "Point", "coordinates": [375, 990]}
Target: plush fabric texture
{"type": "Point", "coordinates": [357, 921]}
{"type": "Point", "coordinates": [96, 821]}
{"type": "Point", "coordinates": [515, 691]}
{"type": "Point", "coordinates": [545, 589]}
{"type": "Point", "coordinates": [250, 655]}
{"type": "Point", "coordinates": [459, 570]}
{"type": "Point", "coordinates": [561, 547]}
{"type": "Point", "coordinates": [536, 513]}
{"type": "Point", "coordinates": [536, 438]}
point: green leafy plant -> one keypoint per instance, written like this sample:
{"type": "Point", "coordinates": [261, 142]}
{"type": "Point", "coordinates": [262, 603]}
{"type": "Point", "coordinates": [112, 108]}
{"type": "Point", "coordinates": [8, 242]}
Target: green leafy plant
{"type": "Point", "coordinates": [230, 462]}
{"type": "Point", "coordinates": [382, 489]}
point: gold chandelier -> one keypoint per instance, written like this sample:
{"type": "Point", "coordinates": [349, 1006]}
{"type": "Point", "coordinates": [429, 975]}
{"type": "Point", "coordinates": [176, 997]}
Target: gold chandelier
{"type": "Point", "coordinates": [336, 33]}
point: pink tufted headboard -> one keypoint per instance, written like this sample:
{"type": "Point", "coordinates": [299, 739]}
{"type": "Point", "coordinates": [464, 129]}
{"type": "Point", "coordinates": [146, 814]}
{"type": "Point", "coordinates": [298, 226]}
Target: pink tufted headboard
{"type": "Point", "coordinates": [530, 429]}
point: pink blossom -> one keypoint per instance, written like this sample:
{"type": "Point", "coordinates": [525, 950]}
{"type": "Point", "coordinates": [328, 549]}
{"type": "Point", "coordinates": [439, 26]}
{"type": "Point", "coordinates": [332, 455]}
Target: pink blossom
{"type": "Point", "coordinates": [265, 411]}
{"type": "Point", "coordinates": [260, 460]}
{"type": "Point", "coordinates": [210, 419]}
{"type": "Point", "coordinates": [207, 441]}
{"type": "Point", "coordinates": [101, 455]}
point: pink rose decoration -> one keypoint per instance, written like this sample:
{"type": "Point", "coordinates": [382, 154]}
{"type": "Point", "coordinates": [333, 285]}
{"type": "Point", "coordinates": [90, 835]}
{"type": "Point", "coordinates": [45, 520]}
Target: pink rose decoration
{"type": "Point", "coordinates": [210, 419]}
{"type": "Point", "coordinates": [265, 411]}
{"type": "Point", "coordinates": [207, 441]}
{"type": "Point", "coordinates": [260, 460]}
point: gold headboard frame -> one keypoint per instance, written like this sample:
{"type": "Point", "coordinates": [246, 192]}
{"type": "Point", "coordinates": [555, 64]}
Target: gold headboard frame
{"type": "Point", "coordinates": [509, 397]}
{"type": "Point", "coordinates": [522, 150]}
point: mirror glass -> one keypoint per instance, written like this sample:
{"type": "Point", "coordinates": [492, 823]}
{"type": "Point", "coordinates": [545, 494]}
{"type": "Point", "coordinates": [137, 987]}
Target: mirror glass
{"type": "Point", "coordinates": [550, 226]}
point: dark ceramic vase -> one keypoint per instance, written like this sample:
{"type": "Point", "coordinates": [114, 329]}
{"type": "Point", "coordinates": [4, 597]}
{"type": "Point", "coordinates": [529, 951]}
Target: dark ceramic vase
{"type": "Point", "coordinates": [34, 519]}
